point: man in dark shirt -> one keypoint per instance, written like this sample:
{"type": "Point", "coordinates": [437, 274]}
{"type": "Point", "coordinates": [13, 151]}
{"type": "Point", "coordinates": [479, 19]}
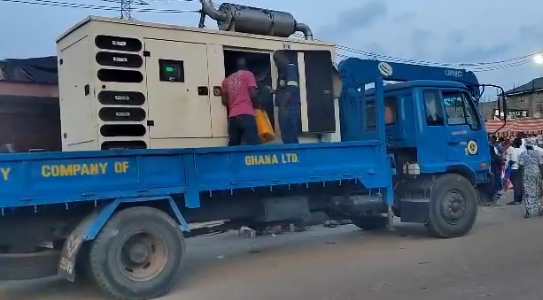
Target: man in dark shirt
{"type": "Point", "coordinates": [493, 190]}
{"type": "Point", "coordinates": [287, 98]}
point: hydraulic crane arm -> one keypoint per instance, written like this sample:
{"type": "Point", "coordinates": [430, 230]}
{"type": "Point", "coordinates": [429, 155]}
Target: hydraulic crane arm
{"type": "Point", "coordinates": [364, 71]}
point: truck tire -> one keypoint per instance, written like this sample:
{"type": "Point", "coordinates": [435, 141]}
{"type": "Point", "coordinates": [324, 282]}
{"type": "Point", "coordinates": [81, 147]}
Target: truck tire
{"type": "Point", "coordinates": [138, 254]}
{"type": "Point", "coordinates": [453, 206]}
{"type": "Point", "coordinates": [33, 265]}
{"type": "Point", "coordinates": [370, 223]}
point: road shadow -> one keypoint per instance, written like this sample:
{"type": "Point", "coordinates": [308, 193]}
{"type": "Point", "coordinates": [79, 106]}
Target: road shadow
{"type": "Point", "coordinates": [209, 259]}
{"type": "Point", "coordinates": [205, 257]}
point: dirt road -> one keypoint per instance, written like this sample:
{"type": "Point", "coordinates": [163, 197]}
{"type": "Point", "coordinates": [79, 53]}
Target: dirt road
{"type": "Point", "coordinates": [501, 259]}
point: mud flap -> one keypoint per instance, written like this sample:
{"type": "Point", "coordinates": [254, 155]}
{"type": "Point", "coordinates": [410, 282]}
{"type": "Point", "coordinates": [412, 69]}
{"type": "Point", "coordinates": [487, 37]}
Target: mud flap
{"type": "Point", "coordinates": [68, 257]}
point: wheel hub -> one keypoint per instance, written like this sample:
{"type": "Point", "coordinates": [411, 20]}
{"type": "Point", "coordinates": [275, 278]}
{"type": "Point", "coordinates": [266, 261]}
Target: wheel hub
{"type": "Point", "coordinates": [139, 253]}
{"type": "Point", "coordinates": [454, 207]}
{"type": "Point", "coordinates": [143, 256]}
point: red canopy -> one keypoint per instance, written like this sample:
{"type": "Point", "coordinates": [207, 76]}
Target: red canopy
{"type": "Point", "coordinates": [527, 125]}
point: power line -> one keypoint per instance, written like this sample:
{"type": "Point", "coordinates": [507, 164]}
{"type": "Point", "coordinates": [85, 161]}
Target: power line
{"type": "Point", "coordinates": [477, 64]}
{"type": "Point", "coordinates": [475, 67]}
{"type": "Point", "coordinates": [96, 7]}
{"type": "Point", "coordinates": [127, 6]}
{"type": "Point", "coordinates": [504, 66]}
{"type": "Point", "coordinates": [126, 9]}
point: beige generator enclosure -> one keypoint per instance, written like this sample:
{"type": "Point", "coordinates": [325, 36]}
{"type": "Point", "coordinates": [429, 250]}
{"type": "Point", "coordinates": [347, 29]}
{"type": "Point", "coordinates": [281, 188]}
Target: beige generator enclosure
{"type": "Point", "coordinates": [135, 85]}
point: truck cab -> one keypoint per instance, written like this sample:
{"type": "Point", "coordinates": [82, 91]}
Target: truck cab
{"type": "Point", "coordinates": [432, 124]}
{"type": "Point", "coordinates": [435, 138]}
{"type": "Point", "coordinates": [434, 127]}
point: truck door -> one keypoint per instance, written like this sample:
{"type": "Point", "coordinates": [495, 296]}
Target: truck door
{"type": "Point", "coordinates": [431, 140]}
{"type": "Point", "coordinates": [465, 136]}
{"type": "Point", "coordinates": [178, 90]}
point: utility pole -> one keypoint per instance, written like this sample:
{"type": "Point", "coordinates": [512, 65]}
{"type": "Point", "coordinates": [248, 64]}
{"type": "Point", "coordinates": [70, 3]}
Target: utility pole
{"type": "Point", "coordinates": [126, 9]}
{"type": "Point", "coordinates": [127, 6]}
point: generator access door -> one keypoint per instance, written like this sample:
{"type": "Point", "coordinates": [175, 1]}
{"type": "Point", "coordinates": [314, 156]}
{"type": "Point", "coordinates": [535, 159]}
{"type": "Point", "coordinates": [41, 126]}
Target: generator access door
{"type": "Point", "coordinates": [178, 90]}
{"type": "Point", "coordinates": [321, 115]}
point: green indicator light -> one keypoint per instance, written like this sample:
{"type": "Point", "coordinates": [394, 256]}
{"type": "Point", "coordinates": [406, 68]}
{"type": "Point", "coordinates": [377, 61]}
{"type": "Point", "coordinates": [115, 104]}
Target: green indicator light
{"type": "Point", "coordinates": [170, 69]}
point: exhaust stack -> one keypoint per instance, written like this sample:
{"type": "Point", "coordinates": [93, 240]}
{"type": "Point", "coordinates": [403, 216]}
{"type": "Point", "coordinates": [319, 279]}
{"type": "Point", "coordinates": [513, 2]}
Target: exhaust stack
{"type": "Point", "coordinates": [254, 20]}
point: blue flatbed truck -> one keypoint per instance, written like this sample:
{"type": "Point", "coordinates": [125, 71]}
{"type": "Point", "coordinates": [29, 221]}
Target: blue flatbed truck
{"type": "Point", "coordinates": [117, 217]}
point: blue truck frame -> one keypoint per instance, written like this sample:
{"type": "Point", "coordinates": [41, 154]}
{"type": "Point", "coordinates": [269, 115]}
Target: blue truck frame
{"type": "Point", "coordinates": [105, 183]}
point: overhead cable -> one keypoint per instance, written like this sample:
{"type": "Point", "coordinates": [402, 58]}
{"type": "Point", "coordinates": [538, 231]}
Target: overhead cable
{"type": "Point", "coordinates": [473, 66]}
{"type": "Point", "coordinates": [96, 7]}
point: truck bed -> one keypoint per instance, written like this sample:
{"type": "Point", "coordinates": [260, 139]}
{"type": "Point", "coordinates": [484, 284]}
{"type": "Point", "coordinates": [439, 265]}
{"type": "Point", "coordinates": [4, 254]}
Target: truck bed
{"type": "Point", "coordinates": [50, 178]}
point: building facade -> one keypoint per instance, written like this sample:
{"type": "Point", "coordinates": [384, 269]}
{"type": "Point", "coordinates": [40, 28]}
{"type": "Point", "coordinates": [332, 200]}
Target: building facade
{"type": "Point", "coordinates": [29, 105]}
{"type": "Point", "coordinates": [527, 97]}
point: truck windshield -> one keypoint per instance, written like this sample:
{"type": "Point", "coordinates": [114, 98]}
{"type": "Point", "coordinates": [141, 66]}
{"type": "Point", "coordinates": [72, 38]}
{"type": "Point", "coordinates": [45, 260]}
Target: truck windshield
{"type": "Point", "coordinates": [460, 109]}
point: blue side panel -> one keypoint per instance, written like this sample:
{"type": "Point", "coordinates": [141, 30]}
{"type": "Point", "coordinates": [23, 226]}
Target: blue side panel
{"type": "Point", "coordinates": [34, 179]}
{"type": "Point", "coordinates": [277, 165]}
{"type": "Point", "coordinates": [48, 178]}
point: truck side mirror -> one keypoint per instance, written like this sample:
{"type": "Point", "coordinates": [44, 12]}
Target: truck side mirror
{"type": "Point", "coordinates": [504, 107]}
{"type": "Point", "coordinates": [502, 101]}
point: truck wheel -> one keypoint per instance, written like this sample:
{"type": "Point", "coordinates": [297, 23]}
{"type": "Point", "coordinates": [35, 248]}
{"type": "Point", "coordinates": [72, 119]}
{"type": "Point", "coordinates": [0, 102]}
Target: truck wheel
{"type": "Point", "coordinates": [138, 254]}
{"type": "Point", "coordinates": [370, 223]}
{"type": "Point", "coordinates": [453, 206]}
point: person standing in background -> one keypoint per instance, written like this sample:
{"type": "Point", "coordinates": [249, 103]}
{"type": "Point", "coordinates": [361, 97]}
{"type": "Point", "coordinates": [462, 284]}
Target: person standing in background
{"type": "Point", "coordinates": [492, 191]}
{"type": "Point", "coordinates": [240, 96]}
{"type": "Point", "coordinates": [497, 163]}
{"type": "Point", "coordinates": [287, 98]}
{"type": "Point", "coordinates": [531, 170]}
{"type": "Point", "coordinates": [499, 146]}
{"type": "Point", "coordinates": [524, 138]}
{"type": "Point", "coordinates": [493, 143]}
{"type": "Point", "coordinates": [507, 170]}
{"type": "Point", "coordinates": [513, 154]}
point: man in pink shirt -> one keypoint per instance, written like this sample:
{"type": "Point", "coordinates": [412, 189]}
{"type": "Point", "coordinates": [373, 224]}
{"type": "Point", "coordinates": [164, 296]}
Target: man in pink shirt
{"type": "Point", "coordinates": [240, 96]}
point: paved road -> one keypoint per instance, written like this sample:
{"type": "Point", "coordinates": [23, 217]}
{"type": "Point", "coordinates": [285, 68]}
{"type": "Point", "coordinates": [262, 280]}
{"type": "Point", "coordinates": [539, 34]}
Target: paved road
{"type": "Point", "coordinates": [501, 259]}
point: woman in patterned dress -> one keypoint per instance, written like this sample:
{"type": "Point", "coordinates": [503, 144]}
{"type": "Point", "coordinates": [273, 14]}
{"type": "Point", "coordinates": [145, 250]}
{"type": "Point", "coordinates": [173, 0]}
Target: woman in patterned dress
{"type": "Point", "coordinates": [531, 169]}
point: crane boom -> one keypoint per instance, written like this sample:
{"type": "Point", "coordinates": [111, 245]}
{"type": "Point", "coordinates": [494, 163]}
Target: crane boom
{"type": "Point", "coordinates": [369, 69]}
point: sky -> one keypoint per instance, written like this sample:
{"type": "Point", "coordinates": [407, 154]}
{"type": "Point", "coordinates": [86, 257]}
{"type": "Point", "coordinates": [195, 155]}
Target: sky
{"type": "Point", "coordinates": [460, 31]}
